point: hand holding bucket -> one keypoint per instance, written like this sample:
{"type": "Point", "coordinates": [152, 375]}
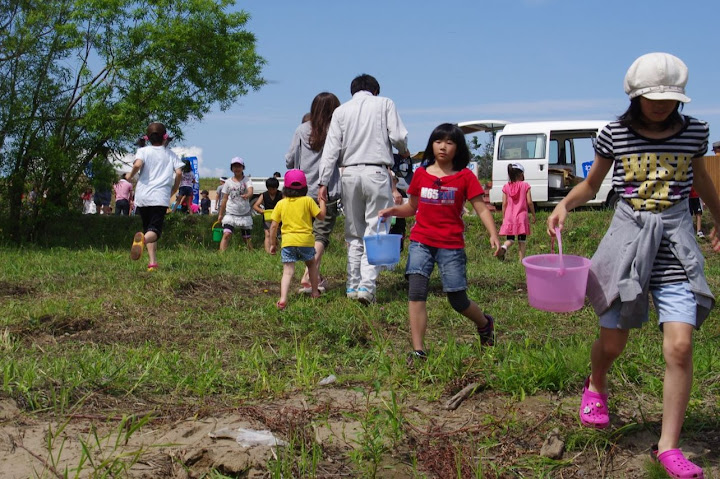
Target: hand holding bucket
{"type": "Point", "coordinates": [556, 282]}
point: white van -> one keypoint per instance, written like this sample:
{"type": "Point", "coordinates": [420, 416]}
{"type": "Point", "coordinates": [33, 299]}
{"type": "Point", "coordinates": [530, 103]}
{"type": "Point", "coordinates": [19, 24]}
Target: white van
{"type": "Point", "coordinates": [556, 155]}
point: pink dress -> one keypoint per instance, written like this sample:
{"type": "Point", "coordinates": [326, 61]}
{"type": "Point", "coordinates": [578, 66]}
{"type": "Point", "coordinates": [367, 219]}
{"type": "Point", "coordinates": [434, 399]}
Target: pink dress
{"type": "Point", "coordinates": [515, 217]}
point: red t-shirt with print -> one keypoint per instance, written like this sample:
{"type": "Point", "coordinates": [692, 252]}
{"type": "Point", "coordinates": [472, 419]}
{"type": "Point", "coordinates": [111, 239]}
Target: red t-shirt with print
{"type": "Point", "coordinates": [438, 221]}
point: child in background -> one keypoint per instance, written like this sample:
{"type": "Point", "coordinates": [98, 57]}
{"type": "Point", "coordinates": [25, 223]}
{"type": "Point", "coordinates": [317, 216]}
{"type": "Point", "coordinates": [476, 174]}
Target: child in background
{"type": "Point", "coordinates": [696, 210]}
{"type": "Point", "coordinates": [265, 204]}
{"type": "Point", "coordinates": [398, 225]}
{"type": "Point", "coordinates": [516, 201]}
{"type": "Point", "coordinates": [160, 172]}
{"type": "Point", "coordinates": [649, 247]}
{"type": "Point", "coordinates": [205, 202]}
{"type": "Point", "coordinates": [185, 193]}
{"type": "Point", "coordinates": [437, 194]}
{"type": "Point", "coordinates": [88, 203]}
{"type": "Point", "coordinates": [235, 210]}
{"type": "Point", "coordinates": [296, 212]}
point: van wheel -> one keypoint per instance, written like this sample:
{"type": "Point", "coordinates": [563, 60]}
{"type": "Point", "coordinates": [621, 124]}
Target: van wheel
{"type": "Point", "coordinates": [612, 200]}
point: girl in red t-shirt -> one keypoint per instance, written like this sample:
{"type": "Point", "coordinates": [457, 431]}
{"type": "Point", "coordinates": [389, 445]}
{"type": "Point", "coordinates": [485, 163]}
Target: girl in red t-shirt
{"type": "Point", "coordinates": [436, 197]}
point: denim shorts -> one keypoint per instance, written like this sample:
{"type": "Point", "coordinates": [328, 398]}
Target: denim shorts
{"type": "Point", "coordinates": [451, 265]}
{"type": "Point", "coordinates": [291, 254]}
{"type": "Point", "coordinates": [673, 303]}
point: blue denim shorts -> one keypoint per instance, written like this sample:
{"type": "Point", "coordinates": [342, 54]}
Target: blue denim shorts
{"type": "Point", "coordinates": [673, 303]}
{"type": "Point", "coordinates": [451, 265]}
{"type": "Point", "coordinates": [291, 254]}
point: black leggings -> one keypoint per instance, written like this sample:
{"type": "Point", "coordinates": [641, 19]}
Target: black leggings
{"type": "Point", "coordinates": [418, 291]}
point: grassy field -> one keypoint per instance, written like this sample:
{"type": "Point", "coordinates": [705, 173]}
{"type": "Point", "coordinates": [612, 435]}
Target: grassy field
{"type": "Point", "coordinates": [111, 371]}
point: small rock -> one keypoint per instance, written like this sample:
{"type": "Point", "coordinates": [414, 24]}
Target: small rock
{"type": "Point", "coordinates": [328, 380]}
{"type": "Point", "coordinates": [553, 446]}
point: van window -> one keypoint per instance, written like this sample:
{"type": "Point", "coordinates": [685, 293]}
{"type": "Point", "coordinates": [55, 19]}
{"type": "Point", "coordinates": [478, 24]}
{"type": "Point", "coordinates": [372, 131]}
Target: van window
{"type": "Point", "coordinates": [584, 149]}
{"type": "Point", "coordinates": [516, 147]}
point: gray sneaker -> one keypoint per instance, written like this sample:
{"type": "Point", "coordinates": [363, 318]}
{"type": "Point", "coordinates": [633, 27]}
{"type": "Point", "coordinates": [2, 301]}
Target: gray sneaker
{"type": "Point", "coordinates": [351, 293]}
{"type": "Point", "coordinates": [365, 297]}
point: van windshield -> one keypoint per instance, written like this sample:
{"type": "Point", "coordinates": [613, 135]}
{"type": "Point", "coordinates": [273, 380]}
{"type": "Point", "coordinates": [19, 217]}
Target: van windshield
{"type": "Point", "coordinates": [515, 147]}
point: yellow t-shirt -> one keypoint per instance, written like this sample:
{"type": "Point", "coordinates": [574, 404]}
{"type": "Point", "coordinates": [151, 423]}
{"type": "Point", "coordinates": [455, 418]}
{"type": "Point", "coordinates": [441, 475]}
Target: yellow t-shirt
{"type": "Point", "coordinates": [296, 216]}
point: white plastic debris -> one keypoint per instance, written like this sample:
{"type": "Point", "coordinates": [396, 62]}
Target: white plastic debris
{"type": "Point", "coordinates": [328, 380]}
{"type": "Point", "coordinates": [248, 437]}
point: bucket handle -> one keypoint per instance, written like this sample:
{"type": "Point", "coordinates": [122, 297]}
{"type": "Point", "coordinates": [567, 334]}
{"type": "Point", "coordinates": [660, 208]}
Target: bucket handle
{"type": "Point", "coordinates": [213, 225]}
{"type": "Point", "coordinates": [387, 227]}
{"type": "Point", "coordinates": [560, 250]}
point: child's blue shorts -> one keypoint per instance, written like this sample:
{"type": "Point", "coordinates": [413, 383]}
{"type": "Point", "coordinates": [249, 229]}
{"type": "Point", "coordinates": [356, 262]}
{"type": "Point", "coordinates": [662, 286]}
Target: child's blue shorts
{"type": "Point", "coordinates": [292, 254]}
{"type": "Point", "coordinates": [673, 303]}
{"type": "Point", "coordinates": [451, 265]}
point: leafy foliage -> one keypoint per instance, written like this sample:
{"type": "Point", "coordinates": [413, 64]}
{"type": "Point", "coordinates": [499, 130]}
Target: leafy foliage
{"type": "Point", "coordinates": [79, 79]}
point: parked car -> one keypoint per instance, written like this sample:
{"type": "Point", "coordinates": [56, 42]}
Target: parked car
{"type": "Point", "coordinates": [556, 156]}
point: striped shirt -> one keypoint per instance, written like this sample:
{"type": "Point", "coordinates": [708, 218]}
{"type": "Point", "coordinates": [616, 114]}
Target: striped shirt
{"type": "Point", "coordinates": [653, 175]}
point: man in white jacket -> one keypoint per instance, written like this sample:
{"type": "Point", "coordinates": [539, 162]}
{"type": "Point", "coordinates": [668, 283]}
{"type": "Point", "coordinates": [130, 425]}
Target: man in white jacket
{"type": "Point", "coordinates": [362, 134]}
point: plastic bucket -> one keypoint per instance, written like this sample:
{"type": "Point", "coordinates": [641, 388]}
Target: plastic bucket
{"type": "Point", "coordinates": [217, 232]}
{"type": "Point", "coordinates": [556, 282]}
{"type": "Point", "coordinates": [383, 249]}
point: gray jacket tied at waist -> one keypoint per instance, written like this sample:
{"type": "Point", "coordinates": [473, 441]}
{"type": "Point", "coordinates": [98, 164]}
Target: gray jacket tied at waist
{"type": "Point", "coordinates": [623, 262]}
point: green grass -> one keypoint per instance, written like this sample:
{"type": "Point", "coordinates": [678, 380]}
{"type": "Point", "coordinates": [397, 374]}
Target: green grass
{"type": "Point", "coordinates": [79, 320]}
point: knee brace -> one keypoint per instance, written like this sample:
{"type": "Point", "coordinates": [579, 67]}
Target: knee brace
{"type": "Point", "coordinates": [418, 287]}
{"type": "Point", "coordinates": [458, 300]}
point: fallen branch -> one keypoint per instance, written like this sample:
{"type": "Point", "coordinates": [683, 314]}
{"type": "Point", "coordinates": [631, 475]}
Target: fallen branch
{"type": "Point", "coordinates": [455, 401]}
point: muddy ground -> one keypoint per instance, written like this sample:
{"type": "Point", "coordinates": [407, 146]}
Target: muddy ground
{"type": "Point", "coordinates": [178, 444]}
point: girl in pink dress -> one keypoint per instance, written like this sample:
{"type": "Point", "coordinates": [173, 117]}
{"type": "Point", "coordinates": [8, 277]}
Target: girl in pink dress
{"type": "Point", "coordinates": [517, 200]}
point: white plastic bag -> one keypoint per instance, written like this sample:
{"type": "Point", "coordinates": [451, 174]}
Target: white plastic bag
{"type": "Point", "coordinates": [249, 437]}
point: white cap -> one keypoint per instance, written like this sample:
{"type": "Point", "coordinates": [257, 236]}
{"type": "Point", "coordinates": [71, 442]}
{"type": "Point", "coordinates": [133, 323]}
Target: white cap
{"type": "Point", "coordinates": [657, 76]}
{"type": "Point", "coordinates": [518, 166]}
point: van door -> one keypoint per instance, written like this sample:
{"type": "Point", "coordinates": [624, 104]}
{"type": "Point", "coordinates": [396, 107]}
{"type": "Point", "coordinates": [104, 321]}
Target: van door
{"type": "Point", "coordinates": [529, 150]}
{"type": "Point", "coordinates": [571, 154]}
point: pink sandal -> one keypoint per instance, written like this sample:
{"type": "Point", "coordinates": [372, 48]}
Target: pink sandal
{"type": "Point", "coordinates": [676, 464]}
{"type": "Point", "coordinates": [593, 408]}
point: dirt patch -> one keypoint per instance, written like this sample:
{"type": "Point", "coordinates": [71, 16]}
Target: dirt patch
{"type": "Point", "coordinates": [338, 423]}
{"type": "Point", "coordinates": [12, 289]}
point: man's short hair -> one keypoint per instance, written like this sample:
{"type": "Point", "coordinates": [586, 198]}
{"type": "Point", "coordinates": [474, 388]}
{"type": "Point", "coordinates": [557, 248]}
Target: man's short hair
{"type": "Point", "coordinates": [365, 82]}
{"type": "Point", "coordinates": [272, 182]}
{"type": "Point", "coordinates": [716, 145]}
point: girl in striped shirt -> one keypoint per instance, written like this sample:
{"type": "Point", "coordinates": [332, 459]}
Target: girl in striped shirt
{"type": "Point", "coordinates": [656, 154]}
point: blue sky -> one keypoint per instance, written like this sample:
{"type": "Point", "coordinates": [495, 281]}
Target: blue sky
{"type": "Point", "coordinates": [514, 60]}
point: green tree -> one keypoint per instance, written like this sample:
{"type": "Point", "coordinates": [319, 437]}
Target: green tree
{"type": "Point", "coordinates": [482, 153]}
{"type": "Point", "coordinates": [80, 78]}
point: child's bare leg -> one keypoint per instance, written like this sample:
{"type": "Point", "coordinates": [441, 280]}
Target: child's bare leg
{"type": "Point", "coordinates": [522, 245]}
{"type": "Point", "coordinates": [605, 350]}
{"type": "Point", "coordinates": [319, 251]}
{"type": "Point", "coordinates": [288, 272]}
{"type": "Point", "coordinates": [225, 241]}
{"type": "Point", "coordinates": [248, 243]}
{"type": "Point", "coordinates": [507, 244]}
{"type": "Point", "coordinates": [417, 311]}
{"type": "Point", "coordinates": [151, 245]}
{"type": "Point", "coordinates": [698, 228]}
{"type": "Point", "coordinates": [475, 314]}
{"type": "Point", "coordinates": [311, 266]}
{"type": "Point", "coordinates": [677, 349]}
{"type": "Point", "coordinates": [267, 241]}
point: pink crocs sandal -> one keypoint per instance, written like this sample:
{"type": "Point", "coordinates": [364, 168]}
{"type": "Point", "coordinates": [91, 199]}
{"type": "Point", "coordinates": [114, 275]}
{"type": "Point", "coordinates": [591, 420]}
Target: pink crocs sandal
{"type": "Point", "coordinates": [281, 305]}
{"type": "Point", "coordinates": [676, 464]}
{"type": "Point", "coordinates": [593, 408]}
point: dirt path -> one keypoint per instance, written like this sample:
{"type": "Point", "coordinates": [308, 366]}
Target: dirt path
{"type": "Point", "coordinates": [333, 420]}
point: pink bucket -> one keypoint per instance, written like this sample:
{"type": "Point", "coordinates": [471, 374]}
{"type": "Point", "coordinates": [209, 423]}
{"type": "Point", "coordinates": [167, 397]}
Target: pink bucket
{"type": "Point", "coordinates": [556, 282]}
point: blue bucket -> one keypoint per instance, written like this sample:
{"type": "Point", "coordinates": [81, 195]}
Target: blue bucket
{"type": "Point", "coordinates": [383, 249]}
